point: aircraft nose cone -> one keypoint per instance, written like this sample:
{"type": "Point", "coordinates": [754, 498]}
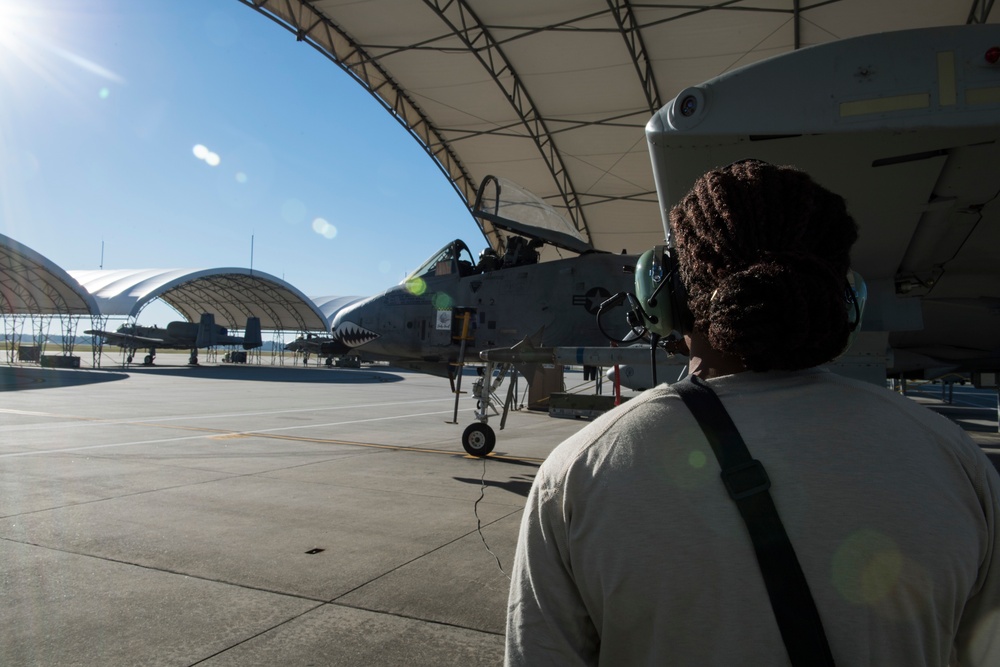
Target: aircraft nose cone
{"type": "Point", "coordinates": [353, 335]}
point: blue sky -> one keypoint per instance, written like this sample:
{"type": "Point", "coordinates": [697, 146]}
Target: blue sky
{"type": "Point", "coordinates": [174, 131]}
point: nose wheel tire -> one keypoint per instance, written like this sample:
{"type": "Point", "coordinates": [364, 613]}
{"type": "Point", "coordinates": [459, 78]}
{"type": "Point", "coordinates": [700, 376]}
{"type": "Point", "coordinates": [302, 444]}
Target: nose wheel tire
{"type": "Point", "coordinates": [479, 439]}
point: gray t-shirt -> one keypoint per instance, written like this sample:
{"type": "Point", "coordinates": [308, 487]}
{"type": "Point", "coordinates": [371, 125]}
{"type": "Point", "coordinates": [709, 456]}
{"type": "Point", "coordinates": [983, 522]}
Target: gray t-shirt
{"type": "Point", "coordinates": [632, 553]}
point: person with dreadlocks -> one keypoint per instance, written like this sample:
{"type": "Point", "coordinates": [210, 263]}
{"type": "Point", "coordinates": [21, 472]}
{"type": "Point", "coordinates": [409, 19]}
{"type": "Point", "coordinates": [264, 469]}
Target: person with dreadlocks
{"type": "Point", "coordinates": [631, 552]}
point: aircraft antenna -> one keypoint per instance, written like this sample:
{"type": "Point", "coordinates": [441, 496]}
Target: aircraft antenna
{"type": "Point", "coordinates": [251, 254]}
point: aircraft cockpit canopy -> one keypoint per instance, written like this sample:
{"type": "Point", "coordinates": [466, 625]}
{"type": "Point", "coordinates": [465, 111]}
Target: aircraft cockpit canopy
{"type": "Point", "coordinates": [454, 258]}
{"type": "Point", "coordinates": [509, 206]}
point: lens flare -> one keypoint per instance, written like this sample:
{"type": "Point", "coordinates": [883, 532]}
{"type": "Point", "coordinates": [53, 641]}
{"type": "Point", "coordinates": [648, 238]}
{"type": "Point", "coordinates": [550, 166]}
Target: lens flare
{"type": "Point", "coordinates": [866, 567]}
{"type": "Point", "coordinates": [416, 286]}
{"type": "Point", "coordinates": [324, 228]}
{"type": "Point", "coordinates": [697, 459]}
{"type": "Point", "coordinates": [208, 157]}
{"type": "Point", "coordinates": [442, 301]}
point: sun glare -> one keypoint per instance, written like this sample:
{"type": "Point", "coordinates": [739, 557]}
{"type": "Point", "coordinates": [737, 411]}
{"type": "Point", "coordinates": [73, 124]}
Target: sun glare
{"type": "Point", "coordinates": [14, 22]}
{"type": "Point", "coordinates": [32, 52]}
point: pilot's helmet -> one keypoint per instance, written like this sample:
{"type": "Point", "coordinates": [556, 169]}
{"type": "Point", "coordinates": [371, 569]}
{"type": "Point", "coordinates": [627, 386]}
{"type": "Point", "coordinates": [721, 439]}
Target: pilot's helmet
{"type": "Point", "coordinates": [487, 253]}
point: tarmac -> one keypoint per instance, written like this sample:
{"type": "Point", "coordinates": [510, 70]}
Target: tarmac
{"type": "Point", "coordinates": [260, 515]}
{"type": "Point", "coordinates": [254, 515]}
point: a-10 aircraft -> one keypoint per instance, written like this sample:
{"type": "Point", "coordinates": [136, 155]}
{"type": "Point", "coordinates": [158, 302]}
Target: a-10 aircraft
{"type": "Point", "coordinates": [321, 346]}
{"type": "Point", "coordinates": [903, 125]}
{"type": "Point", "coordinates": [454, 306]}
{"type": "Point", "coordinates": [179, 336]}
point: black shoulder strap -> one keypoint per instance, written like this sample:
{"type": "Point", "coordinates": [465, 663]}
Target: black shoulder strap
{"type": "Point", "coordinates": [748, 484]}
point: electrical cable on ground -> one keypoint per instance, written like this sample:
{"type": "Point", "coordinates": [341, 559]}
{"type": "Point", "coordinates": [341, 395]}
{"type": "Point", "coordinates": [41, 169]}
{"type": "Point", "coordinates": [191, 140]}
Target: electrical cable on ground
{"type": "Point", "coordinates": [479, 522]}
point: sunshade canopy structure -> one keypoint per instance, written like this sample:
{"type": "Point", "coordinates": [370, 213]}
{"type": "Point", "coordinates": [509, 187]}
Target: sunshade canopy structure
{"type": "Point", "coordinates": [231, 294]}
{"type": "Point", "coordinates": [555, 94]}
{"type": "Point", "coordinates": [31, 284]}
{"type": "Point", "coordinates": [330, 305]}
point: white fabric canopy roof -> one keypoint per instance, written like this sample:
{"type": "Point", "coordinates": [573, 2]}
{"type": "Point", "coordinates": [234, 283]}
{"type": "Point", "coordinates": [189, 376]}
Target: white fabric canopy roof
{"type": "Point", "coordinates": [30, 284]}
{"type": "Point", "coordinates": [554, 94]}
{"type": "Point", "coordinates": [231, 294]}
{"type": "Point", "coordinates": [330, 305]}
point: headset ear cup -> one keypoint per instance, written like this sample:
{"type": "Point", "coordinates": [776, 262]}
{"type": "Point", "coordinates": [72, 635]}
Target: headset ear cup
{"type": "Point", "coordinates": [661, 303]}
{"type": "Point", "coordinates": [652, 292]}
{"type": "Point", "coordinates": [661, 293]}
{"type": "Point", "coordinates": [856, 297]}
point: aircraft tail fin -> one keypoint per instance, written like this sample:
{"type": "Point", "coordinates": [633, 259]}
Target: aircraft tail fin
{"type": "Point", "coordinates": [206, 331]}
{"type": "Point", "coordinates": [252, 337]}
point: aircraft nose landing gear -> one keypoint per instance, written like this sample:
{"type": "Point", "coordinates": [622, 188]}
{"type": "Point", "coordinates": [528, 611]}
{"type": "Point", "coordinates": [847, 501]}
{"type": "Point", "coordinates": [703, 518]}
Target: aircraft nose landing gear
{"type": "Point", "coordinates": [479, 439]}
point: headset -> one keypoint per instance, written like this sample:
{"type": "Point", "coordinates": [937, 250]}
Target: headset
{"type": "Point", "coordinates": [856, 295]}
{"type": "Point", "coordinates": [660, 303]}
{"type": "Point", "coordinates": [658, 308]}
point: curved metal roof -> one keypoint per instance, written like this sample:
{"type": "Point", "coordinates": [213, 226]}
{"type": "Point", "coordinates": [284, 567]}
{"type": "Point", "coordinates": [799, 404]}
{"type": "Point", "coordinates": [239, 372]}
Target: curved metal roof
{"type": "Point", "coordinates": [329, 305]}
{"type": "Point", "coordinates": [554, 94]}
{"type": "Point", "coordinates": [30, 284]}
{"type": "Point", "coordinates": [231, 294]}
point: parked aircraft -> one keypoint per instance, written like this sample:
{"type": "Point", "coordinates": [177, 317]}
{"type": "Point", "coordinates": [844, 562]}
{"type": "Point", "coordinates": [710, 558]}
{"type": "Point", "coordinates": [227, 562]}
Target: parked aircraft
{"type": "Point", "coordinates": [903, 125]}
{"type": "Point", "coordinates": [454, 306]}
{"type": "Point", "coordinates": [179, 336]}
{"type": "Point", "coordinates": [321, 346]}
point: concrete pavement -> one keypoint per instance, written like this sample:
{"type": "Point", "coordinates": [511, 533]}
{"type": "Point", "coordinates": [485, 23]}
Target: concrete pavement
{"type": "Point", "coordinates": [244, 515]}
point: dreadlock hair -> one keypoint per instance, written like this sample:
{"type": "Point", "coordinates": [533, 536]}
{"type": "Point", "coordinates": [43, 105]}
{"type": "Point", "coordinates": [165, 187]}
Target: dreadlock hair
{"type": "Point", "coordinates": [764, 253]}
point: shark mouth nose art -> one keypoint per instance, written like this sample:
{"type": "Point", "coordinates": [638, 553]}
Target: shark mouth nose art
{"type": "Point", "coordinates": [353, 335]}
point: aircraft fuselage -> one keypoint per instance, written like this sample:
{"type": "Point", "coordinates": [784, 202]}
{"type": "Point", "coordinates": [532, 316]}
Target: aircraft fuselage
{"type": "Point", "coordinates": [422, 320]}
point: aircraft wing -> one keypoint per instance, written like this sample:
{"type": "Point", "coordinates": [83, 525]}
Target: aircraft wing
{"type": "Point", "coordinates": [126, 340]}
{"type": "Point", "coordinates": [903, 126]}
{"type": "Point", "coordinates": [302, 344]}
{"type": "Point", "coordinates": [299, 345]}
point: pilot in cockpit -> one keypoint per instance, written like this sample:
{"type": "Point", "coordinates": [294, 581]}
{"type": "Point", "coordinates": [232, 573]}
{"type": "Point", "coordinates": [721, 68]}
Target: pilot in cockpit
{"type": "Point", "coordinates": [521, 251]}
{"type": "Point", "coordinates": [489, 260]}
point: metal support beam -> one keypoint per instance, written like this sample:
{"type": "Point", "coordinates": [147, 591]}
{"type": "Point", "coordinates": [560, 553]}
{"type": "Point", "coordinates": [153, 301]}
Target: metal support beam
{"type": "Point", "coordinates": [629, 28]}
{"type": "Point", "coordinates": [796, 17]}
{"type": "Point", "coordinates": [980, 11]}
{"type": "Point", "coordinates": [467, 27]}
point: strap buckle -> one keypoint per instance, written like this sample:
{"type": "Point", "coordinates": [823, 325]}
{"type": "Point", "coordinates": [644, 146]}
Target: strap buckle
{"type": "Point", "coordinates": [746, 479]}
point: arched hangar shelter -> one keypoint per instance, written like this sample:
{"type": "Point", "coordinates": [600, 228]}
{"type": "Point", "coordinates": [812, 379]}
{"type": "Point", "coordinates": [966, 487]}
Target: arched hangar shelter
{"type": "Point", "coordinates": [34, 289]}
{"type": "Point", "coordinates": [30, 284]}
{"type": "Point", "coordinates": [331, 305]}
{"type": "Point", "coordinates": [231, 294]}
{"type": "Point", "coordinates": [555, 94]}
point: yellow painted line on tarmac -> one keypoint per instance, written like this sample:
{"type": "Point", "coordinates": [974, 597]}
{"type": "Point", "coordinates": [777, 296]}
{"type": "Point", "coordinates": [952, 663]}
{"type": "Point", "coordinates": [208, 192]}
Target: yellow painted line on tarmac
{"type": "Point", "coordinates": [224, 434]}
{"type": "Point", "coordinates": [373, 445]}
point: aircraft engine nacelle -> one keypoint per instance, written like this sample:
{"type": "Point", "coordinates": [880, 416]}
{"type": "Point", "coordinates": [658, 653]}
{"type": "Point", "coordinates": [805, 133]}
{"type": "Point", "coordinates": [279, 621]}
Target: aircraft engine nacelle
{"type": "Point", "coordinates": [181, 330]}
